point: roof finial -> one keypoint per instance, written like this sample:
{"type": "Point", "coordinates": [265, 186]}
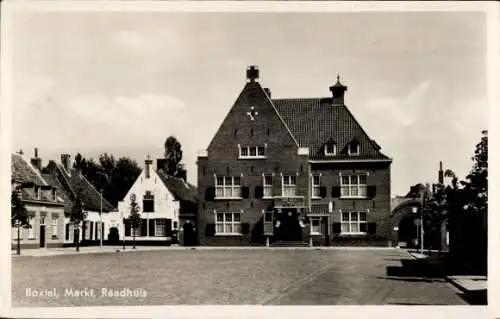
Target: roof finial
{"type": "Point", "coordinates": [338, 77]}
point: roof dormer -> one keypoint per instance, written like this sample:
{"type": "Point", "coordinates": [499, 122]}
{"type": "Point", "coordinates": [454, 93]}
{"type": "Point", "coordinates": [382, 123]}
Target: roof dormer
{"type": "Point", "coordinates": [330, 148]}
{"type": "Point", "coordinates": [353, 147]}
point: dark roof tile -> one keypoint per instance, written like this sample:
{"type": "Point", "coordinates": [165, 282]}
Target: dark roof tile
{"type": "Point", "coordinates": [315, 121]}
{"type": "Point", "coordinates": [178, 187]}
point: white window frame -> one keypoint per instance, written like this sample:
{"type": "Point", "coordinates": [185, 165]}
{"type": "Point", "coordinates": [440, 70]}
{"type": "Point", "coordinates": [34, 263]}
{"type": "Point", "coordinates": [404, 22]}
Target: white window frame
{"type": "Point", "coordinates": [289, 189]}
{"type": "Point", "coordinates": [347, 190]}
{"type": "Point", "coordinates": [226, 222]}
{"type": "Point", "coordinates": [31, 230]}
{"type": "Point", "coordinates": [267, 189]}
{"type": "Point", "coordinates": [252, 149]}
{"type": "Point", "coordinates": [316, 187]}
{"type": "Point", "coordinates": [160, 227]}
{"type": "Point", "coordinates": [313, 220]}
{"type": "Point", "coordinates": [268, 223]}
{"type": "Point", "coordinates": [228, 188]}
{"type": "Point", "coordinates": [353, 221]}
{"type": "Point", "coordinates": [54, 226]}
{"type": "Point", "coordinates": [349, 148]}
{"type": "Point", "coordinates": [327, 149]}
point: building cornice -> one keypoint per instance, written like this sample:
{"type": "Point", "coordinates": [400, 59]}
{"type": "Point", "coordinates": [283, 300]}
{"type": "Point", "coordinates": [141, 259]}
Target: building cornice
{"type": "Point", "coordinates": [353, 161]}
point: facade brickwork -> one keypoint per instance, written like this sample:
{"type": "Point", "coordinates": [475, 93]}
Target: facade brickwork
{"type": "Point", "coordinates": [255, 121]}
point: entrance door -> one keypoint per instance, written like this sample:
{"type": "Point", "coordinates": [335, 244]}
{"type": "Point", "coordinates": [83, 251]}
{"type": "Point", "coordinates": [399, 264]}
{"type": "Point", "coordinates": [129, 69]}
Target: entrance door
{"type": "Point", "coordinates": [290, 229]}
{"type": "Point", "coordinates": [42, 236]}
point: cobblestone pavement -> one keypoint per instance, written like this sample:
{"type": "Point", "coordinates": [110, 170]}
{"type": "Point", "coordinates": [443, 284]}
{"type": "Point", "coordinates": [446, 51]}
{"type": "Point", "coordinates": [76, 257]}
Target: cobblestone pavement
{"type": "Point", "coordinates": [224, 277]}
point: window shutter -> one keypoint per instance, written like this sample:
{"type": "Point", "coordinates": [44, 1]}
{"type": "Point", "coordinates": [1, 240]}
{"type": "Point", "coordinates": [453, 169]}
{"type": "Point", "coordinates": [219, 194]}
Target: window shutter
{"type": "Point", "coordinates": [336, 191]}
{"type": "Point", "coordinates": [322, 191]}
{"type": "Point", "coordinates": [372, 191]}
{"type": "Point", "coordinates": [363, 227]}
{"type": "Point", "coordinates": [67, 232]}
{"type": "Point", "coordinates": [210, 230]}
{"type": "Point", "coordinates": [84, 227]}
{"type": "Point", "coordinates": [151, 227]}
{"type": "Point", "coordinates": [210, 193]}
{"type": "Point", "coordinates": [259, 192]}
{"type": "Point", "coordinates": [245, 191]}
{"type": "Point", "coordinates": [372, 228]}
{"type": "Point", "coordinates": [245, 228]}
{"type": "Point", "coordinates": [337, 228]}
{"type": "Point", "coordinates": [127, 227]}
{"type": "Point", "coordinates": [91, 226]}
{"type": "Point", "coordinates": [143, 227]}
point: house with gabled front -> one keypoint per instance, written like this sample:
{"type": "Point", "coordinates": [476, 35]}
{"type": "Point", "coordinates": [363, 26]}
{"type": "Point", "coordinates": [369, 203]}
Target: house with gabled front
{"type": "Point", "coordinates": [167, 206]}
{"type": "Point", "coordinates": [292, 170]}
{"type": "Point", "coordinates": [43, 201]}
{"type": "Point", "coordinates": [99, 211]}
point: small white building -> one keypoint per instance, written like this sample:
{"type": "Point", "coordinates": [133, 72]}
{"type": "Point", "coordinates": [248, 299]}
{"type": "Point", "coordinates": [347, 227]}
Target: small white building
{"type": "Point", "coordinates": [71, 181]}
{"type": "Point", "coordinates": [165, 204]}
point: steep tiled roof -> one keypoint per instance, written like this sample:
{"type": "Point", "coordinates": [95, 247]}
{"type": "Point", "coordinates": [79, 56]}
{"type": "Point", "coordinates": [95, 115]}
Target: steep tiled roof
{"type": "Point", "coordinates": [315, 121]}
{"type": "Point", "coordinates": [74, 182]}
{"type": "Point", "coordinates": [24, 172]}
{"type": "Point", "coordinates": [180, 189]}
{"type": "Point", "coordinates": [61, 192]}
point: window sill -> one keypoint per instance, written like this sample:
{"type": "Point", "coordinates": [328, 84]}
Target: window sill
{"type": "Point", "coordinates": [316, 197]}
{"type": "Point", "coordinates": [229, 234]}
{"type": "Point", "coordinates": [316, 234]}
{"type": "Point", "coordinates": [354, 197]}
{"type": "Point", "coordinates": [228, 198]}
{"type": "Point", "coordinates": [268, 197]}
{"type": "Point", "coordinates": [252, 157]}
{"type": "Point", "coordinates": [353, 234]}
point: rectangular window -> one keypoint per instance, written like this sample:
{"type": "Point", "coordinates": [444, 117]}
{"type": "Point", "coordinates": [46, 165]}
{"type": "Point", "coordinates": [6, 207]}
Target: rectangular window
{"type": "Point", "coordinates": [31, 230]}
{"type": "Point", "coordinates": [160, 228]}
{"type": "Point", "coordinates": [353, 223]}
{"type": "Point", "coordinates": [252, 151]}
{"type": "Point", "coordinates": [353, 148]}
{"type": "Point", "coordinates": [316, 186]}
{"type": "Point", "coordinates": [228, 223]}
{"type": "Point", "coordinates": [54, 227]}
{"type": "Point", "coordinates": [148, 203]}
{"type": "Point", "coordinates": [87, 230]}
{"type": "Point", "coordinates": [38, 193]}
{"type": "Point", "coordinates": [54, 195]}
{"type": "Point", "coordinates": [268, 186]}
{"type": "Point", "coordinates": [315, 226]}
{"type": "Point", "coordinates": [228, 187]}
{"type": "Point", "coordinates": [289, 185]}
{"type": "Point", "coordinates": [353, 186]}
{"type": "Point", "coordinates": [268, 222]}
{"type": "Point", "coordinates": [330, 149]}
{"type": "Point", "coordinates": [97, 231]}
{"type": "Point", "coordinates": [91, 229]}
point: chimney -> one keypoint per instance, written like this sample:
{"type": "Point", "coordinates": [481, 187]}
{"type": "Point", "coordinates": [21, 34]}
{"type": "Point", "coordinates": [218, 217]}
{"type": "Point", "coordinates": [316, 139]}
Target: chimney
{"type": "Point", "coordinates": [441, 173]}
{"type": "Point", "coordinates": [338, 91]}
{"type": "Point", "coordinates": [252, 73]}
{"type": "Point", "coordinates": [66, 162]}
{"type": "Point", "coordinates": [268, 92]}
{"type": "Point", "coordinates": [148, 163]}
{"type": "Point", "coordinates": [36, 162]}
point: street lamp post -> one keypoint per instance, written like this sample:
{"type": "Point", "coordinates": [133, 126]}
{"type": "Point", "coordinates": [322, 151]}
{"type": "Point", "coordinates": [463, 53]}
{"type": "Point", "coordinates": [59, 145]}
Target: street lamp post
{"type": "Point", "coordinates": [415, 210]}
{"type": "Point", "coordinates": [100, 225]}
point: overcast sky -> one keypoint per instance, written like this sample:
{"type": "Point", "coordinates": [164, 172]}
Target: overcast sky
{"type": "Point", "coordinates": [122, 82]}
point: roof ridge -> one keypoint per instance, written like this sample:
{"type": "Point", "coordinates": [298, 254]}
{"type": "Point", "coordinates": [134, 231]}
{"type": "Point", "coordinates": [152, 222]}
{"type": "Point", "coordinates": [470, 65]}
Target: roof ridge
{"type": "Point", "coordinates": [96, 191]}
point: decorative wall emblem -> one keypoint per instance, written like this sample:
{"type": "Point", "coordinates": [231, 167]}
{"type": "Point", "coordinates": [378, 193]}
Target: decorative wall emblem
{"type": "Point", "coordinates": [253, 113]}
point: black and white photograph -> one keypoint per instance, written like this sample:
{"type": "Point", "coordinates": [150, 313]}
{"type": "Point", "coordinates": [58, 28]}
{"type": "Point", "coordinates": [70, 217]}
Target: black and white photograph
{"type": "Point", "coordinates": [234, 156]}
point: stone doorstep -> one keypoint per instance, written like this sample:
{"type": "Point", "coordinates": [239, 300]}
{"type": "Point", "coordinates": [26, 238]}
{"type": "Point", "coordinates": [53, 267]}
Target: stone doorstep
{"type": "Point", "coordinates": [469, 283]}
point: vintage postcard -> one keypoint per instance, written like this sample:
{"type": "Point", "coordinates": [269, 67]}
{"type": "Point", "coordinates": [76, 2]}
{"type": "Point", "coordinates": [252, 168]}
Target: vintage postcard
{"type": "Point", "coordinates": [161, 157]}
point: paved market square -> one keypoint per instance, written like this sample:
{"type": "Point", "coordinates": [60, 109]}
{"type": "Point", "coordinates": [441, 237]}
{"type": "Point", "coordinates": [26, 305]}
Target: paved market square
{"type": "Point", "coordinates": [224, 277]}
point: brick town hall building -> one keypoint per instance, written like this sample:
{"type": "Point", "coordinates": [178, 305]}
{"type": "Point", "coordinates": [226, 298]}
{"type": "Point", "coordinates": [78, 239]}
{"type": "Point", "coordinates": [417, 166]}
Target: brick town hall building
{"type": "Point", "coordinates": [290, 171]}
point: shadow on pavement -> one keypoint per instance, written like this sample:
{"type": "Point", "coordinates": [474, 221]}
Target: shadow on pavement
{"type": "Point", "coordinates": [475, 298]}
